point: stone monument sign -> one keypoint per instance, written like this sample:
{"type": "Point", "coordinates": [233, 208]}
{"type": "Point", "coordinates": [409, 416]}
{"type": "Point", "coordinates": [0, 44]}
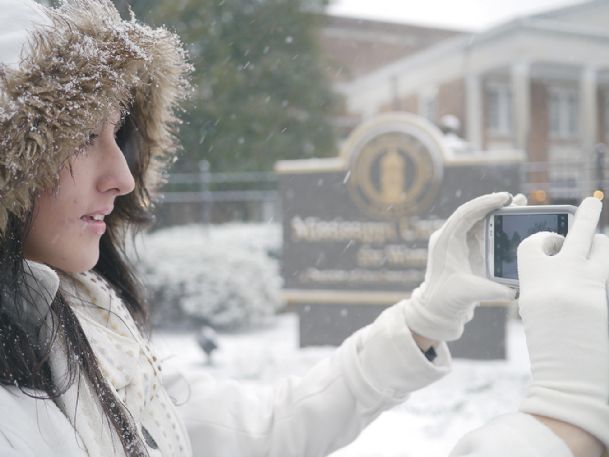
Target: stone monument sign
{"type": "Point", "coordinates": [356, 227]}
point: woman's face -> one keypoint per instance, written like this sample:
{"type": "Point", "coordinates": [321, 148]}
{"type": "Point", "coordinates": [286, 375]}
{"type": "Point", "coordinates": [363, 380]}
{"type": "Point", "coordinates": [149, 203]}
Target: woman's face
{"type": "Point", "coordinates": [68, 223]}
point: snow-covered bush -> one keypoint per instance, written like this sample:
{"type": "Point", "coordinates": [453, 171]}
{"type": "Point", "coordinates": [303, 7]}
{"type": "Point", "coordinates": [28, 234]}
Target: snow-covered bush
{"type": "Point", "coordinates": [225, 276]}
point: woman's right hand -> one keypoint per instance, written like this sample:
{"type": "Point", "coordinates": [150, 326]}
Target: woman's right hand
{"type": "Point", "coordinates": [455, 278]}
{"type": "Point", "coordinates": [563, 304]}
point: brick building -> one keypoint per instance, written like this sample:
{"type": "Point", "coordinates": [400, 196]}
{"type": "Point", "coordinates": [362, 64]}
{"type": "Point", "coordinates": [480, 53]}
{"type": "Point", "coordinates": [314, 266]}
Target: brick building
{"type": "Point", "coordinates": [538, 83]}
{"type": "Point", "coordinates": [355, 48]}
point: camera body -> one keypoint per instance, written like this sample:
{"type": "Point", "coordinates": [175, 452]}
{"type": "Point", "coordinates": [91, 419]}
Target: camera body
{"type": "Point", "coordinates": [505, 228]}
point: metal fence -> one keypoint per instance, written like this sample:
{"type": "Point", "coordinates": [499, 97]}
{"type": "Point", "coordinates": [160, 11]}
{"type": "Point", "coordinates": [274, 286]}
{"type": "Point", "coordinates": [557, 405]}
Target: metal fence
{"type": "Point", "coordinates": [569, 179]}
{"type": "Point", "coordinates": [205, 197]}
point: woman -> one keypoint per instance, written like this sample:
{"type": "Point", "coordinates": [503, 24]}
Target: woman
{"type": "Point", "coordinates": [71, 80]}
{"type": "Point", "coordinates": [87, 123]}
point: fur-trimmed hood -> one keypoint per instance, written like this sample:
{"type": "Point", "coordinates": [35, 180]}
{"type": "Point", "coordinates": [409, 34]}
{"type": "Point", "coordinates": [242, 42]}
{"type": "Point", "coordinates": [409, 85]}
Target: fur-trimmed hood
{"type": "Point", "coordinates": [75, 68]}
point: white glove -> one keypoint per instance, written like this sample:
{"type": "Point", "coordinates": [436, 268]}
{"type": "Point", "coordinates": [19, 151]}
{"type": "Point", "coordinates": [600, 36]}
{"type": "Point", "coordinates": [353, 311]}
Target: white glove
{"type": "Point", "coordinates": [455, 280]}
{"type": "Point", "coordinates": [563, 305]}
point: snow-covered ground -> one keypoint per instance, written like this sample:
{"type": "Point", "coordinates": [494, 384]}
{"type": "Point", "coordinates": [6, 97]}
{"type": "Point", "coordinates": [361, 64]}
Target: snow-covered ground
{"type": "Point", "coordinates": [428, 424]}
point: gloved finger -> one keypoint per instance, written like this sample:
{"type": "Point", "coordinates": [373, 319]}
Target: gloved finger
{"type": "Point", "coordinates": [475, 248]}
{"type": "Point", "coordinates": [468, 214]}
{"type": "Point", "coordinates": [476, 237]}
{"type": "Point", "coordinates": [599, 253]}
{"type": "Point", "coordinates": [553, 243]}
{"type": "Point", "coordinates": [519, 200]}
{"type": "Point", "coordinates": [579, 239]}
{"type": "Point", "coordinates": [487, 290]}
{"type": "Point", "coordinates": [483, 289]}
{"type": "Point", "coordinates": [540, 243]}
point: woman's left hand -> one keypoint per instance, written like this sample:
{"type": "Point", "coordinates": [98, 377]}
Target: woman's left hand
{"type": "Point", "coordinates": [455, 280]}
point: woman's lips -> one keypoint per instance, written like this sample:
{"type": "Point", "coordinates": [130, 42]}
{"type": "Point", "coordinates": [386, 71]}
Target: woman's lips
{"type": "Point", "coordinates": [97, 226]}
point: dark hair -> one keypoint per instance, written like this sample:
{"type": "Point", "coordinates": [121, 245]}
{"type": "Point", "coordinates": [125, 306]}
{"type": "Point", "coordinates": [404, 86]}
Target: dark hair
{"type": "Point", "coordinates": [24, 353]}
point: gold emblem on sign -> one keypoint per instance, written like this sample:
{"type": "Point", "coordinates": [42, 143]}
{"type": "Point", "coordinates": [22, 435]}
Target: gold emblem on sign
{"type": "Point", "coordinates": [394, 174]}
{"type": "Point", "coordinates": [392, 177]}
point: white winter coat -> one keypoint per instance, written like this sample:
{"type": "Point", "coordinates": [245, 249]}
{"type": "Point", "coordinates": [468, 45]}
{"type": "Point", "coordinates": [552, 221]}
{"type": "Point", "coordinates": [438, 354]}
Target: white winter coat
{"type": "Point", "coordinates": [372, 371]}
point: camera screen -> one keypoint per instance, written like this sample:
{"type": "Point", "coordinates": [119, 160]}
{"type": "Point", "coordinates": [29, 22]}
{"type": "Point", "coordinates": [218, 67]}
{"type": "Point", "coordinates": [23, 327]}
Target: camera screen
{"type": "Point", "coordinates": [510, 230]}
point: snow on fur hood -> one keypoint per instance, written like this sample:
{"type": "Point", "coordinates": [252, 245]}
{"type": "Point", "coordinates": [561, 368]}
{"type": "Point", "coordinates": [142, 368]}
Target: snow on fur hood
{"type": "Point", "coordinates": [75, 65]}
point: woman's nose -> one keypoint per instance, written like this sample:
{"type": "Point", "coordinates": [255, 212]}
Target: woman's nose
{"type": "Point", "coordinates": [117, 175]}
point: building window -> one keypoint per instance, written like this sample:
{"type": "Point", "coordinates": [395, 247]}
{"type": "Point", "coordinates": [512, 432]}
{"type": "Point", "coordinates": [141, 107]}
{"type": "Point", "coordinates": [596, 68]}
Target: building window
{"type": "Point", "coordinates": [499, 109]}
{"type": "Point", "coordinates": [563, 112]}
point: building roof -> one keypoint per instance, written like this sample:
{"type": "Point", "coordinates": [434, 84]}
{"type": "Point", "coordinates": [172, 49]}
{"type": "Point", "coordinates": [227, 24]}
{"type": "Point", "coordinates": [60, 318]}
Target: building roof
{"type": "Point", "coordinates": [356, 47]}
{"type": "Point", "coordinates": [583, 23]}
{"type": "Point", "coordinates": [570, 10]}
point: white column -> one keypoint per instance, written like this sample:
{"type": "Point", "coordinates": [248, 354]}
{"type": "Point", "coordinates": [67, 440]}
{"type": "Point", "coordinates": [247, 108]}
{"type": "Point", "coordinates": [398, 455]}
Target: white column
{"type": "Point", "coordinates": [521, 104]}
{"type": "Point", "coordinates": [588, 127]}
{"type": "Point", "coordinates": [425, 96]}
{"type": "Point", "coordinates": [473, 102]}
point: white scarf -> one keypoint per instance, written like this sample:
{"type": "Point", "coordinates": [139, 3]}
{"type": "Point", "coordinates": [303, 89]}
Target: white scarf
{"type": "Point", "coordinates": [130, 368]}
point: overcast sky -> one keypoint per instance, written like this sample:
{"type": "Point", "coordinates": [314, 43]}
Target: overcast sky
{"type": "Point", "coordinates": [461, 14]}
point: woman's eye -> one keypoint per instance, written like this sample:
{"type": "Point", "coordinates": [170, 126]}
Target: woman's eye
{"type": "Point", "coordinates": [91, 139]}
